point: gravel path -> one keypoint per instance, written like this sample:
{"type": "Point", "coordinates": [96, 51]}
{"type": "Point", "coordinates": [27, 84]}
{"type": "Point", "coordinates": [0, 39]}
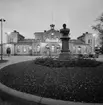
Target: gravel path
{"type": "Point", "coordinates": [15, 59]}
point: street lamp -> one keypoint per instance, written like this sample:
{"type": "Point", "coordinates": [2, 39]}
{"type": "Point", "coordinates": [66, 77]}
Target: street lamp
{"type": "Point", "coordinates": [2, 20]}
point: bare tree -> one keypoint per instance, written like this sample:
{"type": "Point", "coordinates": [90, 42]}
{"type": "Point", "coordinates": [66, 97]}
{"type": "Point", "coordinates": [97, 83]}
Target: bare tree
{"type": "Point", "coordinates": [99, 28]}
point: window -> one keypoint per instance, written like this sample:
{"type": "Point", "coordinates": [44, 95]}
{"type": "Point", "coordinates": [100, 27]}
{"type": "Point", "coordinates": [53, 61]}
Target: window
{"type": "Point", "coordinates": [79, 49]}
{"type": "Point", "coordinates": [58, 46]}
{"type": "Point", "coordinates": [52, 33]}
{"type": "Point", "coordinates": [30, 48]}
{"type": "Point", "coordinates": [38, 48]}
{"type": "Point", "coordinates": [47, 46]}
{"type": "Point", "coordinates": [52, 48]}
{"type": "Point", "coordinates": [74, 49]}
{"type": "Point", "coordinates": [24, 49]}
{"type": "Point", "coordinates": [18, 48]}
{"type": "Point", "coordinates": [89, 41]}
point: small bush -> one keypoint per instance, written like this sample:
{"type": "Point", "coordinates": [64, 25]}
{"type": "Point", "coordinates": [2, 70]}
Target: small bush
{"type": "Point", "coordinates": [80, 62]}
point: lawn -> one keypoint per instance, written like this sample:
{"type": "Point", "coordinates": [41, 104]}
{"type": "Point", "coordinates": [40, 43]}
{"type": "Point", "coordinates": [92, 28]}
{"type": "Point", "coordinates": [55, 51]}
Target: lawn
{"type": "Point", "coordinates": [66, 83]}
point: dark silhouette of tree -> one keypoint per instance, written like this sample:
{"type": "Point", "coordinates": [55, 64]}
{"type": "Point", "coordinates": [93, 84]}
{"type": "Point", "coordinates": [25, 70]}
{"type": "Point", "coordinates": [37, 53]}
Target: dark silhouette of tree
{"type": "Point", "coordinates": [99, 28]}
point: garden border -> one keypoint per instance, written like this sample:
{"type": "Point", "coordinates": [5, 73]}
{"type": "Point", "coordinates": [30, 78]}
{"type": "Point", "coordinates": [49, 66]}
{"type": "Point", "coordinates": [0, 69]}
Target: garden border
{"type": "Point", "coordinates": [29, 99]}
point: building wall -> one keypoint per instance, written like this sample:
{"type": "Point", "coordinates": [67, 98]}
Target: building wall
{"type": "Point", "coordinates": [5, 46]}
{"type": "Point", "coordinates": [23, 49]}
{"type": "Point", "coordinates": [14, 37]}
{"type": "Point", "coordinates": [47, 43]}
{"type": "Point", "coordinates": [47, 48]}
{"type": "Point", "coordinates": [89, 39]}
{"type": "Point", "coordinates": [55, 48]}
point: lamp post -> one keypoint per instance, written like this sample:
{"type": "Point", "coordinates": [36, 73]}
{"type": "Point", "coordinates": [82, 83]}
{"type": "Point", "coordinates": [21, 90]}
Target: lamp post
{"type": "Point", "coordinates": [94, 35]}
{"type": "Point", "coordinates": [2, 20]}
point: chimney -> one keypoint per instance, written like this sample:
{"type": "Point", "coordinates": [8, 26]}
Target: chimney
{"type": "Point", "coordinates": [86, 32]}
{"type": "Point", "coordinates": [15, 31]}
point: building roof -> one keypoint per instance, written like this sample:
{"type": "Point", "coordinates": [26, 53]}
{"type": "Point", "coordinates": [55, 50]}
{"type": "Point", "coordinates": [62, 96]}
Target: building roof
{"type": "Point", "coordinates": [76, 41]}
{"type": "Point", "coordinates": [84, 34]}
{"type": "Point", "coordinates": [48, 33]}
{"type": "Point", "coordinates": [38, 35]}
{"type": "Point", "coordinates": [26, 41]}
{"type": "Point", "coordinates": [17, 33]}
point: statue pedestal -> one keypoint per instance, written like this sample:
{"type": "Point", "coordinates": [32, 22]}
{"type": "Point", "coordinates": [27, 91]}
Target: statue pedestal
{"type": "Point", "coordinates": [65, 52]}
{"type": "Point", "coordinates": [64, 56]}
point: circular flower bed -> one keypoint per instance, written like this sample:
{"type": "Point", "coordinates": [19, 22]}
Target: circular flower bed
{"type": "Point", "coordinates": [83, 84]}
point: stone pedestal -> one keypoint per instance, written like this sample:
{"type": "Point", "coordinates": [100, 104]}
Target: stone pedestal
{"type": "Point", "coordinates": [65, 52]}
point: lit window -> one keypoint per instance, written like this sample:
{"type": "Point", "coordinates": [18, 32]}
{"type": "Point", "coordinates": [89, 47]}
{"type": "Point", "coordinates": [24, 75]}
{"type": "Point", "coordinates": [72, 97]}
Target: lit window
{"type": "Point", "coordinates": [24, 48]}
{"type": "Point", "coordinates": [53, 48]}
{"type": "Point", "coordinates": [52, 33]}
{"type": "Point", "coordinates": [74, 49]}
{"type": "Point", "coordinates": [58, 47]}
{"type": "Point", "coordinates": [47, 46]}
{"type": "Point", "coordinates": [79, 49]}
{"type": "Point", "coordinates": [30, 47]}
{"type": "Point", "coordinates": [18, 48]}
{"type": "Point", "coordinates": [38, 48]}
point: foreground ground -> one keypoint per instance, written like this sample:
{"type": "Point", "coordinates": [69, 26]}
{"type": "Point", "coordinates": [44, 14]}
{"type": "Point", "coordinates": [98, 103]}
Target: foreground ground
{"type": "Point", "coordinates": [29, 74]}
{"type": "Point", "coordinates": [11, 60]}
{"type": "Point", "coordinates": [75, 84]}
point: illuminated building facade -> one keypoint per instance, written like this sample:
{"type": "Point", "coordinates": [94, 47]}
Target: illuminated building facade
{"type": "Point", "coordinates": [44, 43]}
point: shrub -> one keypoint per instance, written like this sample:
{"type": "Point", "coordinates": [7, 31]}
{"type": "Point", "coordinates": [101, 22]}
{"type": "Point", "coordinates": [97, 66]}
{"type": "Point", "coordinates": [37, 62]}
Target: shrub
{"type": "Point", "coordinates": [80, 62]}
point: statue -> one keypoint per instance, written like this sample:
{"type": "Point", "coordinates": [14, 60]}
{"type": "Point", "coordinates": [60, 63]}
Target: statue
{"type": "Point", "coordinates": [65, 31]}
{"type": "Point", "coordinates": [65, 52]}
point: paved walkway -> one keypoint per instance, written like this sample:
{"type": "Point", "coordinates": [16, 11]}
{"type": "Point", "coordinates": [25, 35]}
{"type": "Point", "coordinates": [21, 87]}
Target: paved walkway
{"type": "Point", "coordinates": [100, 58]}
{"type": "Point", "coordinates": [16, 59]}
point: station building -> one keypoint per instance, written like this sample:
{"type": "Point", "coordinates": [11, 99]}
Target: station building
{"type": "Point", "coordinates": [47, 43]}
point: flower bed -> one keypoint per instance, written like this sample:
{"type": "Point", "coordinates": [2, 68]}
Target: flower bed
{"type": "Point", "coordinates": [70, 84]}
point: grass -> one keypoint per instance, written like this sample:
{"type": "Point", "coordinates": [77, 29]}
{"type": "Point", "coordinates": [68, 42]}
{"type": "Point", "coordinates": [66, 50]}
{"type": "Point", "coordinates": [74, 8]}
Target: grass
{"type": "Point", "coordinates": [80, 62]}
{"type": "Point", "coordinates": [65, 83]}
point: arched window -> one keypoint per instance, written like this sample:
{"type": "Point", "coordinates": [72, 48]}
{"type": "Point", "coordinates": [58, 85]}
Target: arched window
{"type": "Point", "coordinates": [58, 46]}
{"type": "Point", "coordinates": [47, 46]}
{"type": "Point", "coordinates": [30, 48]}
{"type": "Point", "coordinates": [38, 48]}
{"type": "Point", "coordinates": [52, 48]}
{"type": "Point", "coordinates": [52, 33]}
{"type": "Point", "coordinates": [24, 49]}
{"type": "Point", "coordinates": [79, 49]}
{"type": "Point", "coordinates": [74, 49]}
{"type": "Point", "coordinates": [18, 48]}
